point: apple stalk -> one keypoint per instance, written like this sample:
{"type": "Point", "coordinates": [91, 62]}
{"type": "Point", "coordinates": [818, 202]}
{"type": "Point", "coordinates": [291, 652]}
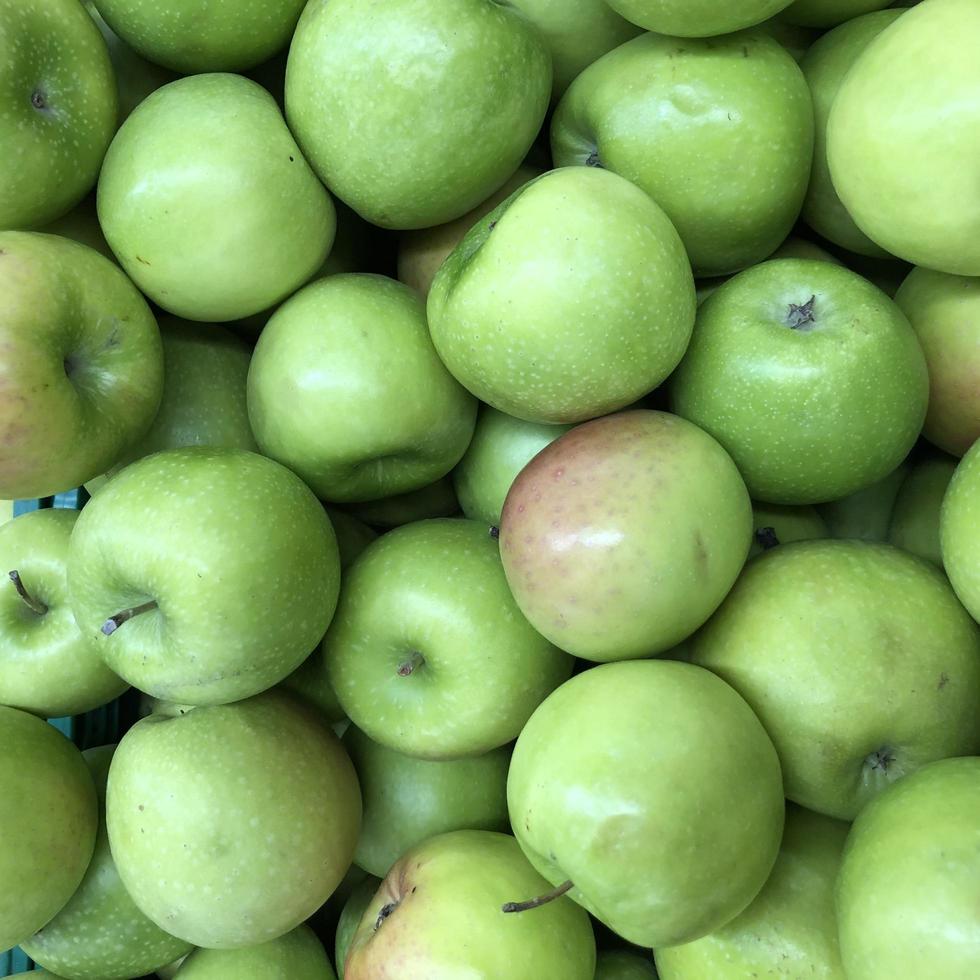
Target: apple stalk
{"type": "Point", "coordinates": [114, 622]}
{"type": "Point", "coordinates": [533, 903]}
{"type": "Point", "coordinates": [35, 605]}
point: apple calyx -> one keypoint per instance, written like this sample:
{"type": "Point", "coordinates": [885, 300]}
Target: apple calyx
{"type": "Point", "coordinates": [800, 316]}
{"type": "Point", "coordinates": [880, 759]}
{"type": "Point", "coordinates": [39, 100]}
{"type": "Point", "coordinates": [533, 903]}
{"type": "Point", "coordinates": [494, 532]}
{"type": "Point", "coordinates": [409, 666]}
{"type": "Point", "coordinates": [114, 622]}
{"type": "Point", "coordinates": [386, 910]}
{"type": "Point", "coordinates": [766, 537]}
{"type": "Point", "coordinates": [35, 605]}
{"type": "Point", "coordinates": [592, 160]}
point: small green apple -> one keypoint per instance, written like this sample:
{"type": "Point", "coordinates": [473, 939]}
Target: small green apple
{"type": "Point", "coordinates": [800, 248]}
{"type": "Point", "coordinates": [81, 224]}
{"type": "Point", "coordinates": [959, 531]}
{"type": "Point", "coordinates": [867, 513]}
{"type": "Point", "coordinates": [795, 39]}
{"type": "Point", "coordinates": [353, 535]}
{"type": "Point", "coordinates": [914, 524]}
{"type": "Point", "coordinates": [415, 111]}
{"type": "Point", "coordinates": [209, 204]}
{"type": "Point", "coordinates": [697, 18]}
{"type": "Point", "coordinates": [623, 964]}
{"type": "Point", "coordinates": [830, 13]}
{"type": "Point", "coordinates": [775, 525]}
{"type": "Point", "coordinates": [350, 919]}
{"type": "Point", "coordinates": [436, 499]}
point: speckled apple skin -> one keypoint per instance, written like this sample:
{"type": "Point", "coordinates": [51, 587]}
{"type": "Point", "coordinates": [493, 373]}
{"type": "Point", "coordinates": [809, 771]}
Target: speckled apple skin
{"type": "Point", "coordinates": [621, 538]}
{"type": "Point", "coordinates": [959, 531]}
{"type": "Point", "coordinates": [298, 955]}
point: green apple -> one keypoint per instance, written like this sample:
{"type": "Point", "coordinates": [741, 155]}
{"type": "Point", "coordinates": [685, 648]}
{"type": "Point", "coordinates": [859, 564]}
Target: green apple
{"type": "Point", "coordinates": [945, 313]}
{"type": "Point", "coordinates": [718, 132]}
{"type": "Point", "coordinates": [902, 140]}
{"type": "Point", "coordinates": [49, 812]}
{"type": "Point", "coordinates": [697, 18]}
{"type": "Point", "coordinates": [81, 224]}
{"type": "Point", "coordinates": [825, 65]}
{"type": "Point", "coordinates": [571, 299]}
{"type": "Point", "coordinates": [775, 524]}
{"type": "Point", "coordinates": [350, 918]}
{"type": "Point", "coordinates": [408, 800]}
{"type": "Point", "coordinates": [81, 366]}
{"type": "Point", "coordinates": [203, 575]}
{"type": "Point", "coordinates": [858, 660]}
{"type": "Point", "coordinates": [188, 36]}
{"type": "Point", "coordinates": [800, 248]}
{"type": "Point", "coordinates": [57, 108]}
{"type": "Point", "coordinates": [501, 447]}
{"type": "Point", "coordinates": [959, 531]}
{"type": "Point", "coordinates": [428, 653]}
{"type": "Point", "coordinates": [439, 913]}
{"type": "Point", "coordinates": [47, 667]}
{"type": "Point", "coordinates": [101, 933]}
{"type": "Point", "coordinates": [209, 204]}
{"type": "Point", "coordinates": [623, 964]}
{"type": "Point", "coordinates": [867, 513]}
{"type": "Point", "coordinates": [789, 931]}
{"type": "Point", "coordinates": [437, 499]}
{"type": "Point", "coordinates": [777, 372]}
{"type": "Point", "coordinates": [353, 535]}
{"type": "Point", "coordinates": [415, 111]}
{"type": "Point", "coordinates": [914, 522]}
{"type": "Point", "coordinates": [232, 824]}
{"type": "Point", "coordinates": [620, 538]}
{"type": "Point", "coordinates": [169, 971]}
{"type": "Point", "coordinates": [297, 955]}
{"type": "Point", "coordinates": [795, 39]}
{"type": "Point", "coordinates": [907, 891]}
{"type": "Point", "coordinates": [830, 13]}
{"type": "Point", "coordinates": [653, 788]}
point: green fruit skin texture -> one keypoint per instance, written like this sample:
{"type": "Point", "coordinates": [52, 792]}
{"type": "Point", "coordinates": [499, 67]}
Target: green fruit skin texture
{"type": "Point", "coordinates": [414, 135]}
{"type": "Point", "coordinates": [350, 918]}
{"type": "Point", "coordinates": [655, 789]}
{"type": "Point", "coordinates": [621, 964]}
{"type": "Point", "coordinates": [697, 18]}
{"type": "Point", "coordinates": [50, 50]}
{"type": "Point", "coordinates": [866, 514]}
{"type": "Point", "coordinates": [910, 880]}
{"type": "Point", "coordinates": [915, 520]}
{"type": "Point", "coordinates": [787, 523]}
{"type": "Point", "coordinates": [208, 203]}
{"type": "Point", "coordinates": [718, 132]}
{"type": "Point", "coordinates": [959, 531]}
{"type": "Point", "coordinates": [810, 414]}
{"type": "Point", "coordinates": [101, 934]}
{"type": "Point", "coordinates": [49, 812]}
{"type": "Point", "coordinates": [830, 13]}
{"type": "Point", "coordinates": [256, 803]}
{"type": "Point", "coordinates": [571, 299]}
{"type": "Point", "coordinates": [849, 651]}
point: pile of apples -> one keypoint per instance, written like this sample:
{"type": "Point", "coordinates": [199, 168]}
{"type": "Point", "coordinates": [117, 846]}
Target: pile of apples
{"type": "Point", "coordinates": [534, 458]}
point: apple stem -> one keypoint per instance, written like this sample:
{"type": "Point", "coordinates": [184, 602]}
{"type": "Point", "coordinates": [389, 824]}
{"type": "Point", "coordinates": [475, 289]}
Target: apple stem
{"type": "Point", "coordinates": [766, 536]}
{"type": "Point", "coordinates": [35, 605]}
{"type": "Point", "coordinates": [114, 622]}
{"type": "Point", "coordinates": [408, 666]}
{"type": "Point", "coordinates": [534, 903]}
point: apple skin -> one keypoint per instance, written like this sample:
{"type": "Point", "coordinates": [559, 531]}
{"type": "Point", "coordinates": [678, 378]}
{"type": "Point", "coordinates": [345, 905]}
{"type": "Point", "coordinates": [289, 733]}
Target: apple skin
{"type": "Point", "coordinates": [914, 522]}
{"type": "Point", "coordinates": [49, 812]}
{"type": "Point", "coordinates": [621, 964]}
{"type": "Point", "coordinates": [47, 667]}
{"type": "Point", "coordinates": [416, 134]}
{"type": "Point", "coordinates": [59, 96]}
{"type": "Point", "coordinates": [101, 934]}
{"type": "Point", "coordinates": [436, 499]}
{"type": "Point", "coordinates": [570, 300]}
{"type": "Point", "coordinates": [208, 203]}
{"type": "Point", "coordinates": [789, 398]}
{"type": "Point", "coordinates": [796, 40]}
{"type": "Point", "coordinates": [824, 66]}
{"type": "Point", "coordinates": [858, 660]}
{"type": "Point", "coordinates": [907, 890]}
{"type": "Point", "coordinates": [718, 132]}
{"type": "Point", "coordinates": [408, 800]}
{"type": "Point", "coordinates": [902, 141]}
{"type": "Point", "coordinates": [697, 18]}
{"type": "Point", "coordinates": [187, 36]}
{"type": "Point", "coordinates": [81, 364]}
{"type": "Point", "coordinates": [256, 803]}
{"type": "Point", "coordinates": [81, 224]}
{"type": "Point", "coordinates": [620, 538]}
{"type": "Point", "coordinates": [776, 525]}
{"type": "Point", "coordinates": [959, 531]}
{"type": "Point", "coordinates": [867, 513]}
{"type": "Point", "coordinates": [680, 834]}
{"type": "Point", "coordinates": [350, 918]}
{"type": "Point", "coordinates": [241, 604]}
{"type": "Point", "coordinates": [945, 313]}
{"type": "Point", "coordinates": [830, 13]}
{"type": "Point", "coordinates": [438, 916]}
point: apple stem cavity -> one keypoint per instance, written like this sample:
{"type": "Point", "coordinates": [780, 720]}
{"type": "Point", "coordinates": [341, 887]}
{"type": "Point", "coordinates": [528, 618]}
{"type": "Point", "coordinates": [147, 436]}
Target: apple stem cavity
{"type": "Point", "coordinates": [766, 537]}
{"type": "Point", "coordinates": [114, 622]}
{"type": "Point", "coordinates": [386, 910]}
{"type": "Point", "coordinates": [800, 316]}
{"type": "Point", "coordinates": [35, 605]}
{"type": "Point", "coordinates": [592, 160]}
{"type": "Point", "coordinates": [881, 759]}
{"type": "Point", "coordinates": [533, 903]}
{"type": "Point", "coordinates": [409, 666]}
{"type": "Point", "coordinates": [494, 532]}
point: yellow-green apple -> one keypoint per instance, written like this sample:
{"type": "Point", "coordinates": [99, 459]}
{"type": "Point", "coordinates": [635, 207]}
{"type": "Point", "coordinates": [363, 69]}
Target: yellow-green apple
{"type": "Point", "coordinates": [623, 964]}
{"type": "Point", "coordinates": [436, 499]}
{"type": "Point", "coordinates": [775, 524]}
{"type": "Point", "coordinates": [914, 523]}
{"type": "Point", "coordinates": [350, 918]}
{"type": "Point", "coordinates": [959, 530]}
{"type": "Point", "coordinates": [353, 535]}
{"type": "Point", "coordinates": [830, 13]}
{"type": "Point", "coordinates": [697, 18]}
{"type": "Point", "coordinates": [800, 248]}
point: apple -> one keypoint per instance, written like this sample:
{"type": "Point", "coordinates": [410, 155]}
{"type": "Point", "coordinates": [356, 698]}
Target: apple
{"type": "Point", "coordinates": [902, 141]}
{"type": "Point", "coordinates": [428, 653]}
{"type": "Point", "coordinates": [914, 522]}
{"type": "Point", "coordinates": [408, 800]}
{"type": "Point", "coordinates": [436, 499]}
{"type": "Point", "coordinates": [795, 39]}
{"type": "Point", "coordinates": [907, 891]}
{"type": "Point", "coordinates": [187, 36]}
{"type": "Point", "coordinates": [800, 248]}
{"type": "Point", "coordinates": [59, 97]}
{"type": "Point", "coordinates": [47, 667]}
{"type": "Point", "coordinates": [789, 930]}
{"type": "Point", "coordinates": [100, 933]}
{"type": "Point", "coordinates": [621, 537]}
{"type": "Point", "coordinates": [415, 111]}
{"type": "Point", "coordinates": [169, 971]}
{"type": "Point", "coordinates": [697, 18]}
{"type": "Point", "coordinates": [81, 366]}
{"type": "Point", "coordinates": [776, 524]}
{"type": "Point", "coordinates": [654, 790]}
{"type": "Point", "coordinates": [959, 531]}
{"type": "Point", "coordinates": [81, 224]}
{"type": "Point", "coordinates": [203, 575]}
{"type": "Point", "coordinates": [232, 824]}
{"type": "Point", "coordinates": [350, 918]}
{"type": "Point", "coordinates": [208, 203]}
{"type": "Point", "coordinates": [830, 13]}
{"type": "Point", "coordinates": [346, 389]}
{"type": "Point", "coordinates": [353, 535]}
{"type": "Point", "coordinates": [944, 311]}
{"type": "Point", "coordinates": [623, 964]}
{"type": "Point", "coordinates": [825, 65]}
{"type": "Point", "coordinates": [866, 513]}
{"type": "Point", "coordinates": [718, 132]}
{"type": "Point", "coordinates": [858, 660]}
{"type": "Point", "coordinates": [571, 299]}
{"type": "Point", "coordinates": [777, 372]}
{"type": "Point", "coordinates": [439, 913]}
{"type": "Point", "coordinates": [49, 813]}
